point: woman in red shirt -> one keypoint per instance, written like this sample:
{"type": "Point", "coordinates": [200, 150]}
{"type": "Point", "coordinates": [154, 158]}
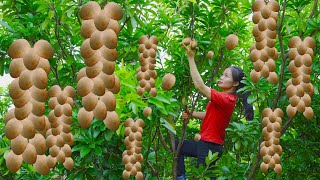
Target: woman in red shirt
{"type": "Point", "coordinates": [217, 116]}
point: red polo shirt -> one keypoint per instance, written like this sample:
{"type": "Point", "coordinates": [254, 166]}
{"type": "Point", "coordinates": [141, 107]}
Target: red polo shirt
{"type": "Point", "coordinates": [218, 114]}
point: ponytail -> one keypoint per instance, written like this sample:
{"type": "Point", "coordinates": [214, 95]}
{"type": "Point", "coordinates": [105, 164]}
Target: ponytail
{"type": "Point", "coordinates": [238, 75]}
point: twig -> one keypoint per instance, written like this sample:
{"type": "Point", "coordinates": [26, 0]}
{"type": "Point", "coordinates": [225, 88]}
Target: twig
{"type": "Point", "coordinates": [192, 21]}
{"type": "Point", "coordinates": [128, 17]}
{"type": "Point", "coordinates": [311, 14]}
{"type": "Point", "coordinates": [163, 142]}
{"type": "Point", "coordinates": [154, 171]}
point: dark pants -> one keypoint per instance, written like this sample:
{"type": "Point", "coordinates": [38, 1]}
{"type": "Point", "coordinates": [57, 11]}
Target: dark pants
{"type": "Point", "coordinates": [200, 149]}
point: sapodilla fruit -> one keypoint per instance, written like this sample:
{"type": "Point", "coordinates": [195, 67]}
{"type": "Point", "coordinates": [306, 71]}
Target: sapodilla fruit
{"type": "Point", "coordinates": [85, 118]}
{"type": "Point", "coordinates": [97, 40]}
{"type": "Point", "coordinates": [94, 70]}
{"type": "Point", "coordinates": [193, 44]}
{"type": "Point", "coordinates": [30, 154]}
{"type": "Point", "coordinates": [109, 100]}
{"type": "Point", "coordinates": [84, 86]}
{"type": "Point", "coordinates": [273, 78]}
{"type": "Point", "coordinates": [302, 49]}
{"type": "Point", "coordinates": [81, 74]}
{"type": "Point", "coordinates": [39, 142]}
{"type": "Point", "coordinates": [258, 5]}
{"type": "Point", "coordinates": [308, 113]}
{"type": "Point", "coordinates": [39, 78]}
{"type": "Point", "coordinates": [278, 112]}
{"type": "Point", "coordinates": [19, 144]}
{"type": "Point", "coordinates": [22, 100]}
{"type": "Point", "coordinates": [129, 122]}
{"type": "Point", "coordinates": [291, 111]}
{"type": "Point", "coordinates": [16, 67]}
{"type": "Point", "coordinates": [265, 71]}
{"type": "Point", "coordinates": [152, 53]}
{"type": "Point", "coordinates": [108, 67]}
{"type": "Point", "coordinates": [67, 150]}
{"type": "Point", "coordinates": [147, 87]}
{"type": "Point", "coordinates": [300, 90]}
{"type": "Point", "coordinates": [90, 10]}
{"type": "Point", "coordinates": [143, 39]}
{"type": "Point", "coordinates": [148, 44]}
{"type": "Point", "coordinates": [271, 34]}
{"type": "Point", "coordinates": [255, 76]}
{"type": "Point", "coordinates": [141, 48]}
{"type": "Point", "coordinates": [266, 12]}
{"type": "Point", "coordinates": [23, 112]}
{"type": "Point", "coordinates": [138, 136]}
{"type": "Point", "coordinates": [294, 100]}
{"type": "Point", "coordinates": [99, 86]}
{"type": "Point", "coordinates": [293, 52]}
{"type": "Point", "coordinates": [108, 80]}
{"type": "Point", "coordinates": [66, 128]}
{"type": "Point", "coordinates": [140, 123]}
{"type": "Point", "coordinates": [110, 38]}
{"type": "Point", "coordinates": [271, 24]}
{"type": "Point", "coordinates": [126, 174]}
{"type": "Point", "coordinates": [51, 161]}
{"type": "Point", "coordinates": [116, 87]}
{"type": "Point", "coordinates": [109, 54]}
{"type": "Point", "coordinates": [154, 40]}
{"type": "Point", "coordinates": [140, 91]}
{"type": "Point", "coordinates": [294, 42]}
{"type": "Point", "coordinates": [54, 151]}
{"type": "Point", "coordinates": [168, 81]}
{"type": "Point", "coordinates": [61, 157]}
{"type": "Point", "coordinates": [153, 92]}
{"type": "Point", "coordinates": [114, 11]}
{"type": "Point", "coordinates": [147, 112]}
{"type": "Point", "coordinates": [58, 111]}
{"type": "Point", "coordinates": [18, 48]}
{"type": "Point", "coordinates": [298, 61]}
{"type": "Point", "coordinates": [309, 42]}
{"type": "Point", "coordinates": [14, 90]}
{"type": "Point", "coordinates": [197, 137]}
{"type": "Point", "coordinates": [264, 167]}
{"type": "Point", "coordinates": [68, 163]}
{"type": "Point", "coordinates": [38, 108]}
{"type": "Point", "coordinates": [28, 130]}
{"type": "Point", "coordinates": [271, 65]}
{"type": "Point", "coordinates": [100, 111]}
{"type": "Point", "coordinates": [258, 65]}
{"type": "Point", "coordinates": [306, 99]}
{"type": "Point", "coordinates": [142, 83]}
{"type": "Point", "coordinates": [261, 45]}
{"type": "Point", "coordinates": [25, 80]}
{"type": "Point", "coordinates": [54, 91]}
{"type": "Point", "coordinates": [210, 54]}
{"type": "Point", "coordinates": [94, 59]}
{"type": "Point", "coordinates": [13, 128]}
{"type": "Point", "coordinates": [278, 168]}
{"type": "Point", "coordinates": [41, 165]}
{"type": "Point", "coordinates": [274, 5]}
{"type": "Point", "coordinates": [301, 106]}
{"type": "Point", "coordinates": [186, 41]}
{"type": "Point", "coordinates": [112, 120]}
{"type": "Point", "coordinates": [256, 17]}
{"type": "Point", "coordinates": [13, 162]}
{"type": "Point", "coordinates": [69, 91]}
{"type": "Point", "coordinates": [44, 49]}
{"type": "Point", "coordinates": [67, 109]}
{"type": "Point", "coordinates": [254, 55]}
{"type": "Point", "coordinates": [140, 76]}
{"type": "Point", "coordinates": [114, 25]}
{"type": "Point", "coordinates": [45, 65]}
{"type": "Point", "coordinates": [9, 115]}
{"type": "Point", "coordinates": [270, 44]}
{"type": "Point", "coordinates": [307, 60]}
{"type": "Point", "coordinates": [256, 32]}
{"type": "Point", "coordinates": [101, 21]}
{"type": "Point", "coordinates": [263, 25]}
{"type": "Point", "coordinates": [85, 50]}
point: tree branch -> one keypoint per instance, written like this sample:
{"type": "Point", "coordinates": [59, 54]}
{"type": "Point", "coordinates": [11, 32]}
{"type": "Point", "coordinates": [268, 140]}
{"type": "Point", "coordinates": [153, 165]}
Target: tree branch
{"type": "Point", "coordinates": [154, 171]}
{"type": "Point", "coordinates": [192, 21]}
{"type": "Point", "coordinates": [163, 142]}
{"type": "Point", "coordinates": [128, 17]}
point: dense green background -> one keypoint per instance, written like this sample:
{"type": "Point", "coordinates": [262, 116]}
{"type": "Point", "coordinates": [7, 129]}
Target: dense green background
{"type": "Point", "coordinates": [97, 151]}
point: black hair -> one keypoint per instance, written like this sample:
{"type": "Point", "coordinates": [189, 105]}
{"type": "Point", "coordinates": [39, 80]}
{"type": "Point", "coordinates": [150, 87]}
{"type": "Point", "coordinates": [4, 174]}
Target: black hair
{"type": "Point", "coordinates": [238, 75]}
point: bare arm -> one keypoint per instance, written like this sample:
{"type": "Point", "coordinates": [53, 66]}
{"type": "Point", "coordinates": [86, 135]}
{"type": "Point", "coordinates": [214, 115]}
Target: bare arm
{"type": "Point", "coordinates": [199, 115]}
{"type": "Point", "coordinates": [196, 78]}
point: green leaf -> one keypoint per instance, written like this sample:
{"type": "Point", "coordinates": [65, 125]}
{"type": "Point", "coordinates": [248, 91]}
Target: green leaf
{"type": "Point", "coordinates": [3, 23]}
{"type": "Point", "coordinates": [84, 151]}
{"type": "Point", "coordinates": [168, 125]}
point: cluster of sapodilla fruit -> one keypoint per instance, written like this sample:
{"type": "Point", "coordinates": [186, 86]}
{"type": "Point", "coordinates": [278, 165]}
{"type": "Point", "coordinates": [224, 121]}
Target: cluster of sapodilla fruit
{"type": "Point", "coordinates": [97, 82]}
{"type": "Point", "coordinates": [299, 88]}
{"type": "Point", "coordinates": [26, 124]}
{"type": "Point", "coordinates": [59, 137]}
{"type": "Point", "coordinates": [132, 157]}
{"type": "Point", "coordinates": [146, 73]}
{"type": "Point", "coordinates": [270, 148]}
{"type": "Point", "coordinates": [263, 52]}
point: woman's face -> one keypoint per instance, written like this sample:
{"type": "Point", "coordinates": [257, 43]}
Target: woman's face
{"type": "Point", "coordinates": [226, 80]}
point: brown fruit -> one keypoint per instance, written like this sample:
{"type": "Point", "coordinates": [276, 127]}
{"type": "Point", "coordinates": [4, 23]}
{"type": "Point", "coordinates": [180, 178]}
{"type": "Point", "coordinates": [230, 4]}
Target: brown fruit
{"type": "Point", "coordinates": [141, 48]}
{"type": "Point", "coordinates": [39, 78]}
{"type": "Point", "coordinates": [38, 108]}
{"type": "Point", "coordinates": [44, 64]}
{"type": "Point", "coordinates": [278, 112]}
{"type": "Point", "coordinates": [152, 53]}
{"type": "Point", "coordinates": [140, 123]}
{"type": "Point", "coordinates": [271, 34]}
{"type": "Point", "coordinates": [61, 157]}
{"type": "Point", "coordinates": [143, 39]}
{"type": "Point", "coordinates": [129, 122]}
{"type": "Point", "coordinates": [140, 91]}
{"type": "Point", "coordinates": [39, 142]}
{"type": "Point", "coordinates": [154, 40]}
{"type": "Point", "coordinates": [100, 111]}
{"type": "Point", "coordinates": [274, 15]}
{"type": "Point", "coordinates": [256, 17]}
{"type": "Point", "coordinates": [254, 76]}
{"type": "Point", "coordinates": [16, 67]}
{"type": "Point", "coordinates": [266, 12]}
{"type": "Point", "coordinates": [23, 112]}
{"type": "Point", "coordinates": [25, 80]}
{"type": "Point", "coordinates": [263, 151]}
{"type": "Point", "coordinates": [197, 137]}
{"type": "Point", "coordinates": [258, 5]}
{"type": "Point", "coordinates": [148, 87]}
{"type": "Point", "coordinates": [272, 163]}
{"type": "Point", "coordinates": [261, 45]}
{"type": "Point", "coordinates": [92, 60]}
{"type": "Point", "coordinates": [267, 112]}
{"type": "Point", "coordinates": [307, 60]}
{"type": "Point", "coordinates": [116, 87]}
{"type": "Point", "coordinates": [54, 151]}
{"type": "Point", "coordinates": [147, 44]}
{"type": "Point", "coordinates": [113, 11]}
{"type": "Point", "coordinates": [90, 10]}
{"type": "Point", "coordinates": [125, 174]}
{"type": "Point", "coordinates": [13, 162]}
{"type": "Point", "coordinates": [110, 38]}
{"type": "Point", "coordinates": [99, 86]}
{"type": "Point", "coordinates": [300, 90]}
{"type": "Point", "coordinates": [112, 120]}
{"type": "Point", "coordinates": [51, 161]}
{"type": "Point", "coordinates": [68, 163]}
{"type": "Point", "coordinates": [151, 82]}
{"type": "Point", "coordinates": [19, 144]}
{"type": "Point", "coordinates": [109, 100]}
{"type": "Point", "coordinates": [101, 21]}
{"type": "Point", "coordinates": [138, 136]}
{"type": "Point", "coordinates": [254, 55]}
{"type": "Point", "coordinates": [58, 111]}
{"type": "Point", "coordinates": [142, 83]}
{"type": "Point", "coordinates": [13, 128]}
{"type": "Point", "coordinates": [140, 76]}
{"type": "Point", "coordinates": [291, 90]}
{"type": "Point", "coordinates": [66, 128]}
{"type": "Point", "coordinates": [264, 167]}
{"type": "Point", "coordinates": [67, 109]}
{"type": "Point", "coordinates": [28, 130]}
{"type": "Point", "coordinates": [308, 113]}
{"type": "Point", "coordinates": [147, 111]}
{"type": "Point", "coordinates": [278, 168]}
{"type": "Point", "coordinates": [265, 71]}
{"type": "Point", "coordinates": [302, 49]}
{"type": "Point", "coordinates": [270, 44]}
{"type": "Point", "coordinates": [291, 111]}
{"type": "Point", "coordinates": [85, 50]}
{"type": "Point", "coordinates": [306, 70]}
{"type": "Point", "coordinates": [41, 165]}
{"type": "Point", "coordinates": [114, 25]}
{"type": "Point", "coordinates": [22, 100]}
{"type": "Point", "coordinates": [273, 78]}
{"type": "Point", "coordinates": [306, 99]}
{"type": "Point", "coordinates": [274, 5]}
{"type": "Point", "coordinates": [294, 100]}
{"type": "Point", "coordinates": [258, 65]}
{"type": "Point", "coordinates": [44, 49]}
{"type": "Point", "coordinates": [210, 54]}
{"type": "Point", "coordinates": [271, 65]}
{"type": "Point", "coordinates": [186, 41]}
{"type": "Point", "coordinates": [108, 67]}
{"type": "Point", "coordinates": [301, 106]}
{"type": "Point", "coordinates": [19, 48]}
{"type": "Point", "coordinates": [153, 92]}
{"type": "Point", "coordinates": [85, 118]}
{"type": "Point", "coordinates": [87, 28]}
{"type": "Point", "coordinates": [30, 154]}
{"type": "Point", "coordinates": [154, 47]}
{"type": "Point", "coordinates": [309, 42]}
{"type": "Point", "coordinates": [81, 74]}
{"type": "Point", "coordinates": [231, 41]}
{"type": "Point", "coordinates": [69, 91]}
{"type": "Point", "coordinates": [54, 91]}
{"type": "Point", "coordinates": [294, 42]}
{"type": "Point", "coordinates": [97, 40]}
{"type": "Point", "coordinates": [84, 86]}
{"type": "Point", "coordinates": [256, 32]}
{"type": "Point", "coordinates": [109, 54]}
{"type": "Point", "coordinates": [9, 115]}
{"type": "Point", "coordinates": [14, 90]}
{"type": "Point", "coordinates": [168, 81]}
{"type": "Point", "coordinates": [263, 24]}
{"type": "Point", "coordinates": [271, 24]}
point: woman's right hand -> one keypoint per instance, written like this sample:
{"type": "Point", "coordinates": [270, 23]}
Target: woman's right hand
{"type": "Point", "coordinates": [185, 114]}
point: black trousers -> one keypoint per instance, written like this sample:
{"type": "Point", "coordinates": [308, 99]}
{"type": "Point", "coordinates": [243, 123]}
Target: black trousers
{"type": "Point", "coordinates": [200, 149]}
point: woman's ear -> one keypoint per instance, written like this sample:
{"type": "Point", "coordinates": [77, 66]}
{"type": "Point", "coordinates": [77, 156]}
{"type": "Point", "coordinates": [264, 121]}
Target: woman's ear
{"type": "Point", "coordinates": [236, 83]}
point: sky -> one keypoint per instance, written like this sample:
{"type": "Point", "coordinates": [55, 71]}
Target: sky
{"type": "Point", "coordinates": [5, 80]}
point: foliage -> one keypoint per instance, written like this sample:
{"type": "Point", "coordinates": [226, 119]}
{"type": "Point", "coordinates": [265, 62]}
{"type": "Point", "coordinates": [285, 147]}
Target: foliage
{"type": "Point", "coordinates": [98, 151]}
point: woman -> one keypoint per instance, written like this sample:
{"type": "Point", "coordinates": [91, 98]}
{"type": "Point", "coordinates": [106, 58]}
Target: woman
{"type": "Point", "coordinates": [217, 116]}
